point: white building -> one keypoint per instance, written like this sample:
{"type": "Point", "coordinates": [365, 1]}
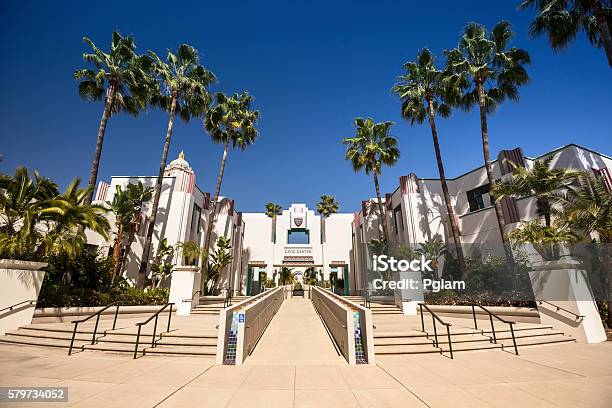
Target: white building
{"type": "Point", "coordinates": [333, 248]}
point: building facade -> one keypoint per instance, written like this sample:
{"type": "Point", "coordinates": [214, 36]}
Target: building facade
{"type": "Point", "coordinates": [334, 249]}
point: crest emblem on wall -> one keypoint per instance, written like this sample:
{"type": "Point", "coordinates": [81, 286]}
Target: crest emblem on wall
{"type": "Point", "coordinates": [298, 221]}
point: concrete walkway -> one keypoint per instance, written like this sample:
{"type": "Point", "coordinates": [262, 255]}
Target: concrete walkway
{"type": "Point", "coordinates": [296, 336]}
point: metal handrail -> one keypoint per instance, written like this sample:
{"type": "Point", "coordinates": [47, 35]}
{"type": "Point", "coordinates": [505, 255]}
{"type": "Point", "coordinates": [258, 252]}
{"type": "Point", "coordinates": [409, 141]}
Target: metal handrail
{"type": "Point", "coordinates": [491, 316]}
{"type": "Point", "coordinates": [227, 302]}
{"type": "Point", "coordinates": [435, 317]}
{"type": "Point", "coordinates": [192, 296]}
{"type": "Point", "coordinates": [97, 314]}
{"type": "Point", "coordinates": [18, 304]}
{"type": "Point", "coordinates": [576, 316]}
{"type": "Point", "coordinates": [156, 316]}
{"type": "Point", "coordinates": [367, 303]}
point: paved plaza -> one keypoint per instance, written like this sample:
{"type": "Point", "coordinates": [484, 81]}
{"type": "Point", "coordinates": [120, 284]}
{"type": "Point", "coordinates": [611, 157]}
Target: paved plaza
{"type": "Point", "coordinates": [295, 365]}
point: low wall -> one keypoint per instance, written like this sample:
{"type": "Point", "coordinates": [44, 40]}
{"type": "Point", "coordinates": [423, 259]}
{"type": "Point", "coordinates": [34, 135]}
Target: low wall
{"type": "Point", "coordinates": [20, 281]}
{"type": "Point", "coordinates": [240, 327]}
{"type": "Point", "coordinates": [342, 318]}
{"type": "Point", "coordinates": [68, 314]}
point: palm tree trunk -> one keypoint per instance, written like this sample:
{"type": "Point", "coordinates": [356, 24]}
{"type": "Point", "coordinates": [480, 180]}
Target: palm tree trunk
{"type": "Point", "coordinates": [449, 207]}
{"type": "Point", "coordinates": [489, 169]}
{"type": "Point", "coordinates": [93, 176]}
{"type": "Point", "coordinates": [158, 186]}
{"type": "Point", "coordinates": [213, 208]}
{"type": "Point", "coordinates": [604, 30]}
{"type": "Point", "coordinates": [381, 213]}
{"type": "Point", "coordinates": [117, 252]}
{"type": "Point", "coordinates": [131, 237]}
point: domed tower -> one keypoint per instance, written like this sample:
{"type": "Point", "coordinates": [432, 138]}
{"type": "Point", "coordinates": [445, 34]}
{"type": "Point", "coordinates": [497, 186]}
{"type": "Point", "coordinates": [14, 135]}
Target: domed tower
{"type": "Point", "coordinates": [185, 177]}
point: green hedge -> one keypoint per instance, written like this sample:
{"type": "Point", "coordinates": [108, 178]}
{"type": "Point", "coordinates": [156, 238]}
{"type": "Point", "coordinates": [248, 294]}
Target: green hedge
{"type": "Point", "coordinates": [61, 296]}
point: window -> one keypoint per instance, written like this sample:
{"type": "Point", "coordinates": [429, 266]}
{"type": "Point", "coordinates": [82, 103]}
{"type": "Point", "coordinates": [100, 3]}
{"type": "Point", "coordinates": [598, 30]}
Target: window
{"type": "Point", "coordinates": [476, 199]}
{"type": "Point", "coordinates": [196, 218]}
{"type": "Point", "coordinates": [298, 236]}
{"type": "Point", "coordinates": [398, 219]}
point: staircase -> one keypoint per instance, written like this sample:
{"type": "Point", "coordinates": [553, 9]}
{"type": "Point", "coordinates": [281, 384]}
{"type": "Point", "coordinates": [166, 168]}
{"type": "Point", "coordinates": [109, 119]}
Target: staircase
{"type": "Point", "coordinates": [466, 339]}
{"type": "Point", "coordinates": [397, 334]}
{"type": "Point", "coordinates": [210, 305]}
{"type": "Point", "coordinates": [123, 340]}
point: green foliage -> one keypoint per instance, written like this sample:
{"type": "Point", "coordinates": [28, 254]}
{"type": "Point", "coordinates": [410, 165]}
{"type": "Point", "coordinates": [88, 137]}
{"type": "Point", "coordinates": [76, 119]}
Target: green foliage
{"type": "Point", "coordinates": [127, 206]}
{"type": "Point", "coordinates": [161, 267]}
{"type": "Point", "coordinates": [182, 78]}
{"type": "Point", "coordinates": [328, 205]}
{"type": "Point", "coordinates": [587, 207]}
{"type": "Point", "coordinates": [190, 251]}
{"type": "Point", "coordinates": [61, 296]}
{"type": "Point", "coordinates": [433, 249]}
{"type": "Point", "coordinates": [372, 146]}
{"type": "Point", "coordinates": [378, 246]}
{"type": "Point", "coordinates": [494, 274]}
{"type": "Point", "coordinates": [484, 59]}
{"type": "Point", "coordinates": [542, 181]}
{"type": "Point", "coordinates": [421, 84]}
{"type": "Point", "coordinates": [36, 221]}
{"type": "Point", "coordinates": [90, 283]}
{"type": "Point", "coordinates": [286, 277]}
{"type": "Point", "coordinates": [232, 120]}
{"type": "Point", "coordinates": [544, 239]}
{"type": "Point", "coordinates": [218, 260]}
{"type": "Point", "coordinates": [120, 68]}
{"type": "Point", "coordinates": [561, 21]}
{"type": "Point", "coordinates": [272, 209]}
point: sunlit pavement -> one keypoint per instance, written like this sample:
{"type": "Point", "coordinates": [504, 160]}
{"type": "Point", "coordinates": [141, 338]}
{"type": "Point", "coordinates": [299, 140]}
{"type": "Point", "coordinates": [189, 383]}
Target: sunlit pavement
{"type": "Point", "coordinates": [568, 375]}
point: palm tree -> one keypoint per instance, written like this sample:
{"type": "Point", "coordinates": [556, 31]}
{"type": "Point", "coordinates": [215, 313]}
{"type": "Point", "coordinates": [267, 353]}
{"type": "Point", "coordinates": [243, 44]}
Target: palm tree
{"type": "Point", "coordinates": [272, 210]}
{"type": "Point", "coordinates": [561, 20]}
{"type": "Point", "coordinates": [230, 121]}
{"type": "Point", "coordinates": [328, 205]}
{"type": "Point", "coordinates": [127, 205]}
{"type": "Point", "coordinates": [182, 87]}
{"type": "Point", "coordinates": [488, 72]}
{"type": "Point", "coordinates": [370, 149]}
{"type": "Point", "coordinates": [541, 181]}
{"type": "Point", "coordinates": [422, 90]}
{"type": "Point", "coordinates": [37, 221]}
{"type": "Point", "coordinates": [121, 77]}
{"type": "Point", "coordinates": [219, 259]}
{"type": "Point", "coordinates": [587, 206]}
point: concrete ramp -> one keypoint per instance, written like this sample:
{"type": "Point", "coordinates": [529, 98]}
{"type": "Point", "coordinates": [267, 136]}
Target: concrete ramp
{"type": "Point", "coordinates": [296, 336]}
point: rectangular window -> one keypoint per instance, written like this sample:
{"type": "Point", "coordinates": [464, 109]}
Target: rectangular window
{"type": "Point", "coordinates": [475, 197]}
{"type": "Point", "coordinates": [196, 217]}
{"type": "Point", "coordinates": [398, 219]}
{"type": "Point", "coordinates": [298, 236]}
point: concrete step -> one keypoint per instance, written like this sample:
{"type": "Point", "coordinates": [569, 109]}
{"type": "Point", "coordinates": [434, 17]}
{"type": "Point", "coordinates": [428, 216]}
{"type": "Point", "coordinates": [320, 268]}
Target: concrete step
{"type": "Point", "coordinates": [147, 349]}
{"type": "Point", "coordinates": [37, 341]}
{"type": "Point", "coordinates": [422, 349]}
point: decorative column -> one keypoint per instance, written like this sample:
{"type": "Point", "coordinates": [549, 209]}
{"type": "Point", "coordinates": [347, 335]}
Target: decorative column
{"type": "Point", "coordinates": [565, 301]}
{"type": "Point", "coordinates": [185, 282]}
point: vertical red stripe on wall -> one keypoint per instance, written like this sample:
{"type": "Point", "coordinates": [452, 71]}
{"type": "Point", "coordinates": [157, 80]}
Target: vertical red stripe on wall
{"type": "Point", "coordinates": [404, 184]}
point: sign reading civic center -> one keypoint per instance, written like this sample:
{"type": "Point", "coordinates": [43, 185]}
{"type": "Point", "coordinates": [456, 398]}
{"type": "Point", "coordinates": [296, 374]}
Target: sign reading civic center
{"type": "Point", "coordinates": [298, 251]}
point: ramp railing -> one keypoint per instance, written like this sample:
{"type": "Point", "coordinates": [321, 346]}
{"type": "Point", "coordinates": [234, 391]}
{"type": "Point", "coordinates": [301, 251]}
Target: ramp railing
{"type": "Point", "coordinates": [349, 324]}
{"type": "Point", "coordinates": [242, 325]}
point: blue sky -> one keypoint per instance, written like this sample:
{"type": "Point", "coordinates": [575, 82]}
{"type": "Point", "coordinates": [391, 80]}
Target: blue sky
{"type": "Point", "coordinates": [312, 68]}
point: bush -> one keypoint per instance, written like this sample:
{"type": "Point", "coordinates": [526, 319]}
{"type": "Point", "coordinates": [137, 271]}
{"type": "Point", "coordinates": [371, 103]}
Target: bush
{"type": "Point", "coordinates": [86, 281]}
{"type": "Point", "coordinates": [61, 296]}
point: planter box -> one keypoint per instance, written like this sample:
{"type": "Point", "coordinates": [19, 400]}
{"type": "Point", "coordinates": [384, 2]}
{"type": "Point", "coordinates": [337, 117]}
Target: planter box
{"type": "Point", "coordinates": [19, 281]}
